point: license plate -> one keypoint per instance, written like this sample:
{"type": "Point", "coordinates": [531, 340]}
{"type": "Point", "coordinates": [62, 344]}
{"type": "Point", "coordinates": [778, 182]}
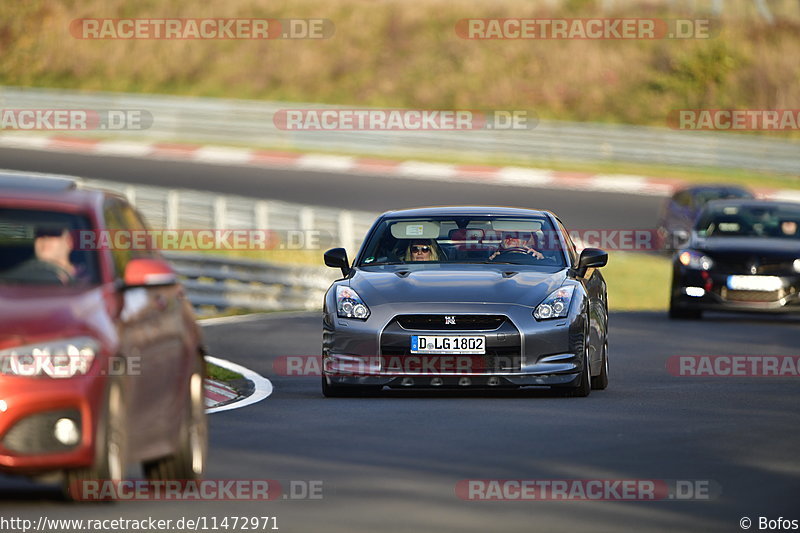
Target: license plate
{"type": "Point", "coordinates": [754, 283]}
{"type": "Point", "coordinates": [455, 344]}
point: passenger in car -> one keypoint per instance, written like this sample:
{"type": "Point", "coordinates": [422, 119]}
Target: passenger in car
{"type": "Point", "coordinates": [422, 250]}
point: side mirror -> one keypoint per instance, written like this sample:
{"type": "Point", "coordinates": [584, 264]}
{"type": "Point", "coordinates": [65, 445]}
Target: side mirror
{"type": "Point", "coordinates": [149, 273]}
{"type": "Point", "coordinates": [337, 258]}
{"type": "Point", "coordinates": [680, 238]}
{"type": "Point", "coordinates": [592, 258]}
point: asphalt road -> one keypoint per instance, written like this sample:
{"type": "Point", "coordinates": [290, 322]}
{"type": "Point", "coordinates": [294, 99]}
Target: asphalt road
{"type": "Point", "coordinates": [391, 462]}
{"type": "Point", "coordinates": [579, 210]}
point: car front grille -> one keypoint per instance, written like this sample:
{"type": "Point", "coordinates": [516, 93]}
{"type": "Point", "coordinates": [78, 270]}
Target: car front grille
{"type": "Point", "coordinates": [505, 359]}
{"type": "Point", "coordinates": [743, 265]}
{"type": "Point", "coordinates": [752, 296]}
{"type": "Point", "coordinates": [451, 322]}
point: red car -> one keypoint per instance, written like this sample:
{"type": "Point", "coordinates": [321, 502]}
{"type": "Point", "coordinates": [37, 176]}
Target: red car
{"type": "Point", "coordinates": [101, 361]}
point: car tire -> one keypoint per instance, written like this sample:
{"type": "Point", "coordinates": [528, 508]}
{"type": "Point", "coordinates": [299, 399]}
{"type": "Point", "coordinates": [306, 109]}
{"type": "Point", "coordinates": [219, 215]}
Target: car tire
{"type": "Point", "coordinates": [330, 390]}
{"type": "Point", "coordinates": [600, 382]}
{"type": "Point", "coordinates": [110, 463]}
{"type": "Point", "coordinates": [584, 386]}
{"type": "Point", "coordinates": [188, 463]}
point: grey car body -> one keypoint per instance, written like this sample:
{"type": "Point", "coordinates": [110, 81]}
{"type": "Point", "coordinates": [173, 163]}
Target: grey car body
{"type": "Point", "coordinates": [496, 301]}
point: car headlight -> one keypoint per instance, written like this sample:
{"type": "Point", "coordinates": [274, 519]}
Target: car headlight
{"type": "Point", "coordinates": [696, 260]}
{"type": "Point", "coordinates": [556, 305]}
{"type": "Point", "coordinates": [349, 304]}
{"type": "Point", "coordinates": [796, 265]}
{"type": "Point", "coordinates": [62, 358]}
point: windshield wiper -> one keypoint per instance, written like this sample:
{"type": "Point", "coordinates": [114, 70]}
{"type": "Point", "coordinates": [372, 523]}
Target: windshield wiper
{"type": "Point", "coordinates": [382, 263]}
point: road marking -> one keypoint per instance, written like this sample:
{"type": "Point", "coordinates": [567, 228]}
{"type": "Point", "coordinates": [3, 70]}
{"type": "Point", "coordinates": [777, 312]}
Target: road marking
{"type": "Point", "coordinates": [263, 386]}
{"type": "Point", "coordinates": [419, 170]}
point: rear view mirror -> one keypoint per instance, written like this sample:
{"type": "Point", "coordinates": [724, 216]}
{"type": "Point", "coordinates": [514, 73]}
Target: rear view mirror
{"type": "Point", "coordinates": [337, 258]}
{"type": "Point", "coordinates": [592, 258]}
{"type": "Point", "coordinates": [680, 238]}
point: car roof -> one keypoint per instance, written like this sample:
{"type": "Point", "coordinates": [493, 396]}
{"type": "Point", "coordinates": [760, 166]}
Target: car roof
{"type": "Point", "coordinates": [714, 187]}
{"type": "Point", "coordinates": [49, 189]}
{"type": "Point", "coordinates": [456, 210]}
{"type": "Point", "coordinates": [750, 202]}
{"type": "Point", "coordinates": [36, 182]}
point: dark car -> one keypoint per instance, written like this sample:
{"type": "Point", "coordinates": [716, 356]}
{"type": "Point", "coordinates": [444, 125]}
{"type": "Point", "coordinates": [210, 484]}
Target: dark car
{"type": "Point", "coordinates": [681, 210]}
{"type": "Point", "coordinates": [100, 356]}
{"type": "Point", "coordinates": [743, 255]}
{"type": "Point", "coordinates": [466, 297]}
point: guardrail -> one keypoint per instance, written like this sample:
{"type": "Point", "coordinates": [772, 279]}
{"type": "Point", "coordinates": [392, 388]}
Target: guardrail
{"type": "Point", "coordinates": [214, 282]}
{"type": "Point", "coordinates": [250, 122]}
{"type": "Point", "coordinates": [167, 208]}
{"type": "Point", "coordinates": [219, 283]}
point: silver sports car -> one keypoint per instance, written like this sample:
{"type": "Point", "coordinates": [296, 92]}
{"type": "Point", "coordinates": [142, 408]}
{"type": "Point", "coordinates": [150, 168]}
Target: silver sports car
{"type": "Point", "coordinates": [466, 297]}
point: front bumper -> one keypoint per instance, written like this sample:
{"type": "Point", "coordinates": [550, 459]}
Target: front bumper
{"type": "Point", "coordinates": [30, 406]}
{"type": "Point", "coordinates": [707, 290]}
{"type": "Point", "coordinates": [521, 352]}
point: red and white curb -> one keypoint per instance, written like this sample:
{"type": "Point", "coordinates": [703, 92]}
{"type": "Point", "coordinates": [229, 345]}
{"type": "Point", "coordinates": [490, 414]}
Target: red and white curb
{"type": "Point", "coordinates": [490, 175]}
{"type": "Point", "coordinates": [218, 393]}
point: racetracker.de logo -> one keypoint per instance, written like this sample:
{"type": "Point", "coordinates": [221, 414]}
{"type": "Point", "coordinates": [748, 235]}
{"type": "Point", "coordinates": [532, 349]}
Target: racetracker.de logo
{"type": "Point", "coordinates": [200, 239]}
{"type": "Point", "coordinates": [196, 490]}
{"type": "Point", "coordinates": [176, 490]}
{"type": "Point", "coordinates": [731, 366]}
{"type": "Point", "coordinates": [582, 28]}
{"type": "Point", "coordinates": [403, 119]}
{"type": "Point", "coordinates": [734, 119]}
{"type": "Point", "coordinates": [75, 119]}
{"type": "Point", "coordinates": [201, 28]}
{"type": "Point", "coordinates": [586, 489]}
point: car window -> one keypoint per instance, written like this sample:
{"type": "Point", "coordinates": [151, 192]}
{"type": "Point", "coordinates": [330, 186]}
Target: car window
{"type": "Point", "coordinates": [762, 220]}
{"type": "Point", "coordinates": [478, 239]}
{"type": "Point", "coordinates": [44, 248]}
{"type": "Point", "coordinates": [571, 250]}
{"type": "Point", "coordinates": [120, 216]}
{"type": "Point", "coordinates": [683, 199]}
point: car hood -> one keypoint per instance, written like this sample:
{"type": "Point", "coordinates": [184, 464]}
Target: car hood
{"type": "Point", "coordinates": [35, 313]}
{"type": "Point", "coordinates": [767, 247]}
{"type": "Point", "coordinates": [508, 284]}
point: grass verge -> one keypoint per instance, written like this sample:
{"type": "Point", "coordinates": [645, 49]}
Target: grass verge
{"type": "Point", "coordinates": [221, 374]}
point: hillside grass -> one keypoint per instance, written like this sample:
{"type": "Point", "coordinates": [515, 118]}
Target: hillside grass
{"type": "Point", "coordinates": [407, 54]}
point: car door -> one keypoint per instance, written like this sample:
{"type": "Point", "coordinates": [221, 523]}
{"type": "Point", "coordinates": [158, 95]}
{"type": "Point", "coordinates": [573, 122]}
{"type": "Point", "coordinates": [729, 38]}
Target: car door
{"type": "Point", "coordinates": [595, 287]}
{"type": "Point", "coordinates": [150, 329]}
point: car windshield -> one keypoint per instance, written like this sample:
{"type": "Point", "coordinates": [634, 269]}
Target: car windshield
{"type": "Point", "coordinates": [704, 196]}
{"type": "Point", "coordinates": [484, 239]}
{"type": "Point", "coordinates": [778, 221]}
{"type": "Point", "coordinates": [38, 248]}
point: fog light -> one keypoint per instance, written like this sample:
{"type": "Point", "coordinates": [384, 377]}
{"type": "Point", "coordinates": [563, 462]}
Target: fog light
{"type": "Point", "coordinates": [66, 432]}
{"type": "Point", "coordinates": [3, 406]}
{"type": "Point", "coordinates": [695, 292]}
{"type": "Point", "coordinates": [493, 382]}
{"type": "Point", "coordinates": [407, 382]}
{"type": "Point", "coordinates": [465, 382]}
{"type": "Point", "coordinates": [436, 382]}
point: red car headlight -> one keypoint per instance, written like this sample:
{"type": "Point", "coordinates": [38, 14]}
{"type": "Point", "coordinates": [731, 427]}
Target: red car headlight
{"type": "Point", "coordinates": [60, 358]}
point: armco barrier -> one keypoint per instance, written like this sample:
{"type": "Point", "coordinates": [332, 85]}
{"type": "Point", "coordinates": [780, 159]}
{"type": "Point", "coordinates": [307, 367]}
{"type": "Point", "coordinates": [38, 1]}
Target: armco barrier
{"type": "Point", "coordinates": [250, 122]}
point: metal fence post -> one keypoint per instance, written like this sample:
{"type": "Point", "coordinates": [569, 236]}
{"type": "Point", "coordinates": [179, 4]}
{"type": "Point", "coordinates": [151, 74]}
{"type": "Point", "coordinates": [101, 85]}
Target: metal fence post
{"type": "Point", "coordinates": [220, 213]}
{"type": "Point", "coordinates": [346, 231]}
{"type": "Point", "coordinates": [173, 209]}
